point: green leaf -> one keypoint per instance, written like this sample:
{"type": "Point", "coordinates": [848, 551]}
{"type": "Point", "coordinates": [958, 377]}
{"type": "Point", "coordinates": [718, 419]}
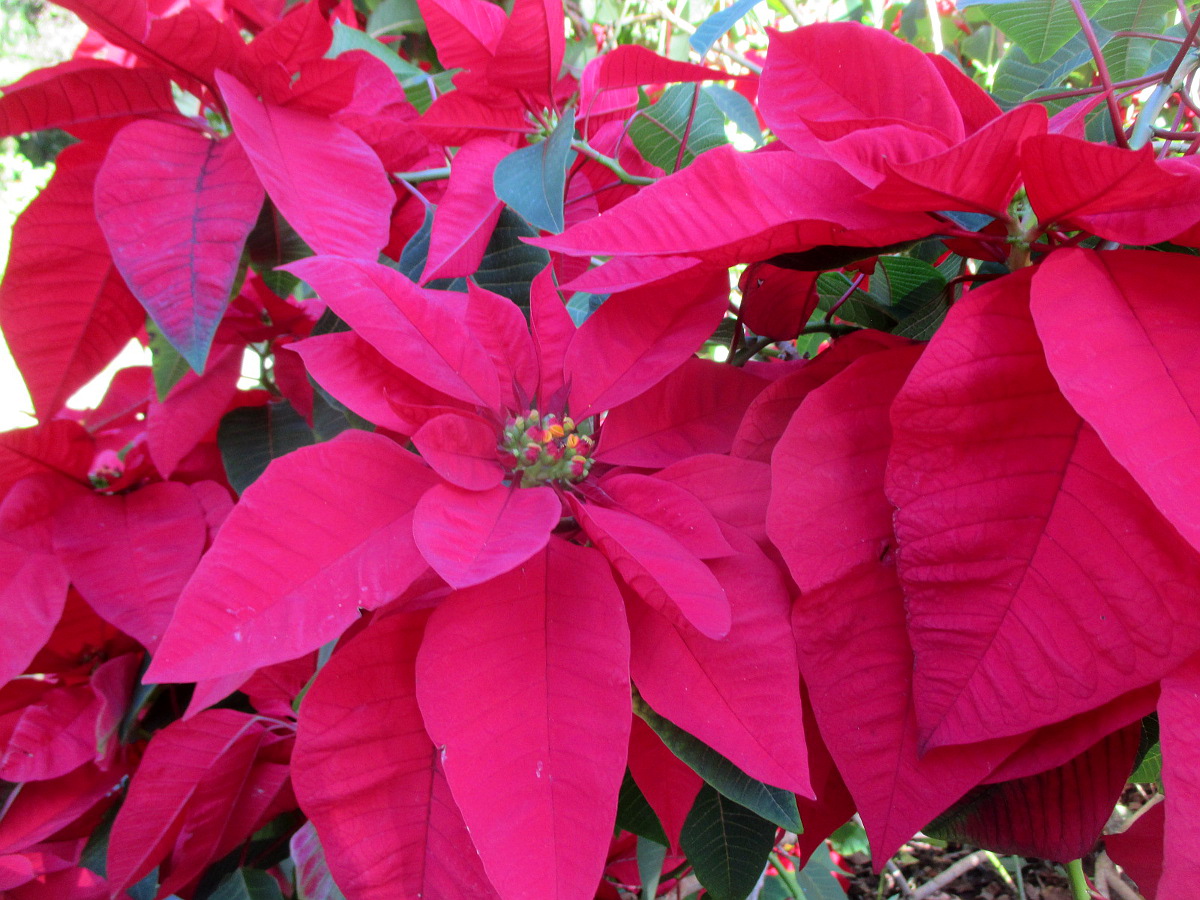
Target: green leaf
{"type": "Point", "coordinates": [1130, 57]}
{"type": "Point", "coordinates": [346, 38]}
{"type": "Point", "coordinates": [1039, 27]}
{"type": "Point", "coordinates": [533, 179]}
{"type": "Point", "coordinates": [650, 858]}
{"type": "Point", "coordinates": [861, 307]}
{"type": "Point", "coordinates": [658, 132]}
{"type": "Point", "coordinates": [252, 436]}
{"type": "Point", "coordinates": [422, 89]}
{"type": "Point", "coordinates": [147, 888]}
{"type": "Point", "coordinates": [1148, 762]}
{"type": "Point", "coordinates": [718, 23]}
{"type": "Point", "coordinates": [331, 418]}
{"type": "Point", "coordinates": [166, 363]}
{"type": "Point", "coordinates": [850, 838]}
{"type": "Point", "coordinates": [906, 283]}
{"type": "Point", "coordinates": [396, 17]}
{"type": "Point", "coordinates": [508, 266]}
{"type": "Point", "coordinates": [1018, 78]}
{"type": "Point", "coordinates": [247, 884]}
{"type": "Point", "coordinates": [582, 305]}
{"type": "Point", "coordinates": [273, 243]}
{"type": "Point", "coordinates": [726, 844]}
{"type": "Point", "coordinates": [817, 881]}
{"type": "Point", "coordinates": [635, 815]}
{"type": "Point", "coordinates": [772, 803]}
{"type": "Point", "coordinates": [737, 109]}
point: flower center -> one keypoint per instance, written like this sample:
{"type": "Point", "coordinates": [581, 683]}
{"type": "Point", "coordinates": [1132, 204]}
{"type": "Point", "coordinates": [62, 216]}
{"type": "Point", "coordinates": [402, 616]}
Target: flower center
{"type": "Point", "coordinates": [545, 449]}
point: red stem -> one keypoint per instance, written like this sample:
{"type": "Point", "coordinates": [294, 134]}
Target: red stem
{"type": "Point", "coordinates": [687, 131]}
{"type": "Point", "coordinates": [1114, 111]}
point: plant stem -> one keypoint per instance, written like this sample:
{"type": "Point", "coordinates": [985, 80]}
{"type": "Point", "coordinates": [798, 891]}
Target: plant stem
{"type": "Point", "coordinates": [788, 879]}
{"type": "Point", "coordinates": [1079, 888]}
{"type": "Point", "coordinates": [610, 163]}
{"type": "Point", "coordinates": [1110, 99]}
{"type": "Point", "coordinates": [423, 175]}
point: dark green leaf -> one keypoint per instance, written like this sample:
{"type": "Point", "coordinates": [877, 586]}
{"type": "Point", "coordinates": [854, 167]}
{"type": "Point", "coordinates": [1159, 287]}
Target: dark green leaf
{"type": "Point", "coordinates": [146, 888]}
{"type": "Point", "coordinates": [532, 180]}
{"type": "Point", "coordinates": [635, 815]}
{"type": "Point", "coordinates": [726, 844]}
{"type": "Point", "coordinates": [906, 283]}
{"type": "Point", "coordinates": [95, 853]}
{"type": "Point", "coordinates": [659, 131]}
{"type": "Point", "coordinates": [247, 884]}
{"type": "Point", "coordinates": [252, 436]}
{"type": "Point", "coordinates": [396, 17]}
{"type": "Point", "coordinates": [1039, 27]}
{"type": "Point", "coordinates": [331, 418]}
{"type": "Point", "coordinates": [166, 363]}
{"type": "Point", "coordinates": [1148, 762]}
{"type": "Point", "coordinates": [272, 243]}
{"type": "Point", "coordinates": [508, 265]}
{"type": "Point", "coordinates": [737, 109]}
{"type": "Point", "coordinates": [772, 803]}
{"type": "Point", "coordinates": [718, 23]}
{"type": "Point", "coordinates": [143, 695]}
{"type": "Point", "coordinates": [861, 307]}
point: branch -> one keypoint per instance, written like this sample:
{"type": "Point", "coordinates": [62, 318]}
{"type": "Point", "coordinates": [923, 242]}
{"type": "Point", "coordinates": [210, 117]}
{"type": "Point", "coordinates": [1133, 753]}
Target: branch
{"type": "Point", "coordinates": [610, 163]}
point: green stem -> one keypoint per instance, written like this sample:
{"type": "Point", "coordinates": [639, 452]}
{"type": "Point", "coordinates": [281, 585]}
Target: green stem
{"type": "Point", "coordinates": [788, 878]}
{"type": "Point", "coordinates": [1079, 888]}
{"type": "Point", "coordinates": [610, 163]}
{"type": "Point", "coordinates": [423, 175]}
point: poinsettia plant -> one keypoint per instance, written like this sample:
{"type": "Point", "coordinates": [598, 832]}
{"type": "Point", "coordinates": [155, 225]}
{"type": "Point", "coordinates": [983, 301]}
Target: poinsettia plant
{"type": "Point", "coordinates": [648, 463]}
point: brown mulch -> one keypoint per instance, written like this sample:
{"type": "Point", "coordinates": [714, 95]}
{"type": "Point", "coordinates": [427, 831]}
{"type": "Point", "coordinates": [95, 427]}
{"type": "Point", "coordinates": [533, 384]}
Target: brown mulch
{"type": "Point", "coordinates": [921, 863]}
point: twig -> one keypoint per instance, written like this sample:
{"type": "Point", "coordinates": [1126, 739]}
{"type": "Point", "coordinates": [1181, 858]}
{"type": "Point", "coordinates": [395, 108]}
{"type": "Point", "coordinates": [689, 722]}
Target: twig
{"type": "Point", "coordinates": [964, 865]}
{"type": "Point", "coordinates": [1107, 875]}
{"type": "Point", "coordinates": [688, 28]}
{"type": "Point", "coordinates": [898, 878]}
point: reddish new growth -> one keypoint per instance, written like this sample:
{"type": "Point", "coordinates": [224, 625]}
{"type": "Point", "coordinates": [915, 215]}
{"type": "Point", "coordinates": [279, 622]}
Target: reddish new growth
{"type": "Point", "coordinates": [546, 449]}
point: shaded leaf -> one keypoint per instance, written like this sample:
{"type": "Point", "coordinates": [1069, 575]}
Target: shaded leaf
{"type": "Point", "coordinates": [684, 117]}
{"type": "Point", "coordinates": [727, 845]}
{"type": "Point", "coordinates": [775, 804]}
{"type": "Point", "coordinates": [532, 179]}
{"type": "Point", "coordinates": [251, 436]}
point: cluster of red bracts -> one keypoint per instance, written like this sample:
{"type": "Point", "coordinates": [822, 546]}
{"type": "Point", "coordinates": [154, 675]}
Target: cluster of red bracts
{"type": "Point", "coordinates": [909, 579]}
